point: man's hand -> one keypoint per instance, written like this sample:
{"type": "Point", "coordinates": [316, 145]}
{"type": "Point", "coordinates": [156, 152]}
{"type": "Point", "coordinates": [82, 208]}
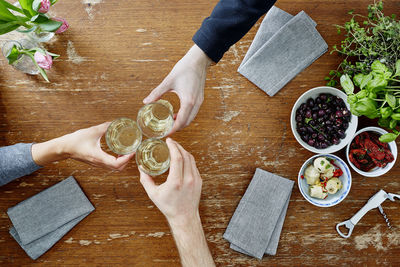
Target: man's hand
{"type": "Point", "coordinates": [83, 145]}
{"type": "Point", "coordinates": [187, 80]}
{"type": "Point", "coordinates": [178, 198]}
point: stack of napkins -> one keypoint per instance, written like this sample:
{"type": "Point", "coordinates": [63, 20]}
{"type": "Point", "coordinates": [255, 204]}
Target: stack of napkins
{"type": "Point", "coordinates": [256, 225]}
{"type": "Point", "coordinates": [40, 221]}
{"type": "Point", "coordinates": [283, 47]}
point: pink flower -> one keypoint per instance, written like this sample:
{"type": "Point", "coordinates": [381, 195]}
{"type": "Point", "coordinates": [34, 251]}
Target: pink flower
{"type": "Point", "coordinates": [44, 61]}
{"type": "Point", "coordinates": [44, 6]}
{"type": "Point", "coordinates": [64, 25]}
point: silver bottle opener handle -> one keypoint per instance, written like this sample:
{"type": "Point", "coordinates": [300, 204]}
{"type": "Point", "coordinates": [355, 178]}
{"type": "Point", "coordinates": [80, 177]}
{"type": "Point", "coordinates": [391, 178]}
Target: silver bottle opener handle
{"type": "Point", "coordinates": [393, 196]}
{"type": "Point", "coordinates": [349, 225]}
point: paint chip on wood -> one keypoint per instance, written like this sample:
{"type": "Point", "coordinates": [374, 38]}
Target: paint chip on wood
{"type": "Point", "coordinates": [85, 242]}
{"type": "Point", "coordinates": [229, 115]}
{"type": "Point", "coordinates": [69, 240]}
{"type": "Point", "coordinates": [115, 236]}
{"type": "Point", "coordinates": [23, 184]}
{"type": "Point", "coordinates": [156, 234]}
{"type": "Point", "coordinates": [73, 55]}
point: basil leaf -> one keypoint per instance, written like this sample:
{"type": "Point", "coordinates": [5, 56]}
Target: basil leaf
{"type": "Point", "coordinates": [50, 25]}
{"type": "Point", "coordinates": [389, 137]}
{"type": "Point", "coordinates": [391, 100]}
{"type": "Point", "coordinates": [378, 67]}
{"type": "Point", "coordinates": [357, 79]}
{"type": "Point", "coordinates": [393, 124]}
{"type": "Point", "coordinates": [377, 83]}
{"type": "Point", "coordinates": [384, 122]}
{"type": "Point", "coordinates": [397, 68]}
{"type": "Point", "coordinates": [365, 80]}
{"type": "Point", "coordinates": [366, 107]}
{"type": "Point", "coordinates": [347, 84]}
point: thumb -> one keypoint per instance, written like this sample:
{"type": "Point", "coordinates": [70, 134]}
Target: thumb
{"type": "Point", "coordinates": [147, 182]}
{"type": "Point", "coordinates": [156, 93]}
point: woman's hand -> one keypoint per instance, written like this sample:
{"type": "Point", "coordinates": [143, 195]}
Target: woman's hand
{"type": "Point", "coordinates": [83, 145]}
{"type": "Point", "coordinates": [187, 80]}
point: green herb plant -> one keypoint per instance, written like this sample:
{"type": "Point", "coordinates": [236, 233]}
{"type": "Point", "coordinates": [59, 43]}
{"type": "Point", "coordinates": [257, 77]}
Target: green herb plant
{"type": "Point", "coordinates": [370, 71]}
{"type": "Point", "coordinates": [28, 18]}
{"type": "Point", "coordinates": [378, 97]}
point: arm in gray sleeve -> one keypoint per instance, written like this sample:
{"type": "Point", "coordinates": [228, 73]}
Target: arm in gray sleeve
{"type": "Point", "coordinates": [16, 161]}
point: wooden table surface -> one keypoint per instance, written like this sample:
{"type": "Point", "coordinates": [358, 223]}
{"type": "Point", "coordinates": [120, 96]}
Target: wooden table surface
{"type": "Point", "coordinates": [114, 53]}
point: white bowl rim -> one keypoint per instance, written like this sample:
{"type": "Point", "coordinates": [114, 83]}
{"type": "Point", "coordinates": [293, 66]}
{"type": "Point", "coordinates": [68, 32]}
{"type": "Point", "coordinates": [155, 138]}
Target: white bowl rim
{"type": "Point", "coordinates": [380, 171]}
{"type": "Point", "coordinates": [344, 194]}
{"type": "Point", "coordinates": [333, 148]}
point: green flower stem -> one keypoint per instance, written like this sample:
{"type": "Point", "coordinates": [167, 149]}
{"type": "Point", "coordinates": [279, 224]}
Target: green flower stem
{"type": "Point", "coordinates": [42, 72]}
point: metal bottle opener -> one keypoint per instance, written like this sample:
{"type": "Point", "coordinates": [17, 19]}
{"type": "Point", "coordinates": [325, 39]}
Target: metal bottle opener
{"type": "Point", "coordinates": [374, 202]}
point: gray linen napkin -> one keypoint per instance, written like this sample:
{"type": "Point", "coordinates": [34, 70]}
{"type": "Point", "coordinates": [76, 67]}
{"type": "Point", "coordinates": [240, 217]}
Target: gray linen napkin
{"type": "Point", "coordinates": [40, 221]}
{"type": "Point", "coordinates": [256, 225]}
{"type": "Point", "coordinates": [282, 48]}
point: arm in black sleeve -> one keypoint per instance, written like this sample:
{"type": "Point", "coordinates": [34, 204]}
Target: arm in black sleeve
{"type": "Point", "coordinates": [227, 24]}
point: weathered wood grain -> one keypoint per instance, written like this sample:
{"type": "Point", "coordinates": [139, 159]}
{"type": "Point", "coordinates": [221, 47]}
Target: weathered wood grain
{"type": "Point", "coordinates": [114, 53]}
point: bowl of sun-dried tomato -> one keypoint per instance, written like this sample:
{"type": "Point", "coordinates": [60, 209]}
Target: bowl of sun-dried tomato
{"type": "Point", "coordinates": [368, 156]}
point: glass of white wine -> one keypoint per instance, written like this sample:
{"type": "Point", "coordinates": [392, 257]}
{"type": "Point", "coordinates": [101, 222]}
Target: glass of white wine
{"type": "Point", "coordinates": [123, 136]}
{"type": "Point", "coordinates": [152, 156]}
{"type": "Point", "coordinates": [156, 119]}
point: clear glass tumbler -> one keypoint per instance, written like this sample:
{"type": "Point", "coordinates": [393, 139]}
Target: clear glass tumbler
{"type": "Point", "coordinates": [152, 157]}
{"type": "Point", "coordinates": [24, 63]}
{"type": "Point", "coordinates": [156, 119]}
{"type": "Point", "coordinates": [123, 136]}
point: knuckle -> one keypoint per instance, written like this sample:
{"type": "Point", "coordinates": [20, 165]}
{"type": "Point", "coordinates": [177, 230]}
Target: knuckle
{"type": "Point", "coordinates": [191, 102]}
{"type": "Point", "coordinates": [190, 181]}
{"type": "Point", "coordinates": [177, 186]}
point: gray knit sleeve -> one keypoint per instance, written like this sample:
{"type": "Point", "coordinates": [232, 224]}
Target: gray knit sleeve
{"type": "Point", "coordinates": [16, 161]}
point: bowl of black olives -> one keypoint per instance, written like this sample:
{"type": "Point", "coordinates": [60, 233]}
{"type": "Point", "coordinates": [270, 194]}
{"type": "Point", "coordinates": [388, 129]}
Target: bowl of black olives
{"type": "Point", "coordinates": [321, 120]}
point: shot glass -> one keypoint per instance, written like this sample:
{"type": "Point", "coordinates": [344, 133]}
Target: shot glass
{"type": "Point", "coordinates": [123, 136]}
{"type": "Point", "coordinates": [156, 119]}
{"type": "Point", "coordinates": [152, 156]}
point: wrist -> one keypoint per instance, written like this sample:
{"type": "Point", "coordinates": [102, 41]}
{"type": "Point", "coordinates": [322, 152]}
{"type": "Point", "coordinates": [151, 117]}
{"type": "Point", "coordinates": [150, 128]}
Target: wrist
{"type": "Point", "coordinates": [184, 222]}
{"type": "Point", "coordinates": [49, 151]}
{"type": "Point", "coordinates": [197, 57]}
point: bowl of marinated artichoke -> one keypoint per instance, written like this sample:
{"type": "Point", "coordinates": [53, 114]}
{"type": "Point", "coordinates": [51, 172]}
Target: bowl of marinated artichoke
{"type": "Point", "coordinates": [324, 180]}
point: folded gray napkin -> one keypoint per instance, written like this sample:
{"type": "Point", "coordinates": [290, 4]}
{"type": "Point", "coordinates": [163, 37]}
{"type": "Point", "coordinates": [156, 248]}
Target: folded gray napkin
{"type": "Point", "coordinates": [256, 225]}
{"type": "Point", "coordinates": [282, 48]}
{"type": "Point", "coordinates": [40, 221]}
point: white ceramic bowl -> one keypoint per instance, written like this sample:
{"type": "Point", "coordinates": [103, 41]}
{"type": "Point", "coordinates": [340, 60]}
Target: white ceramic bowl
{"type": "Point", "coordinates": [331, 200]}
{"type": "Point", "coordinates": [313, 93]}
{"type": "Point", "coordinates": [376, 171]}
